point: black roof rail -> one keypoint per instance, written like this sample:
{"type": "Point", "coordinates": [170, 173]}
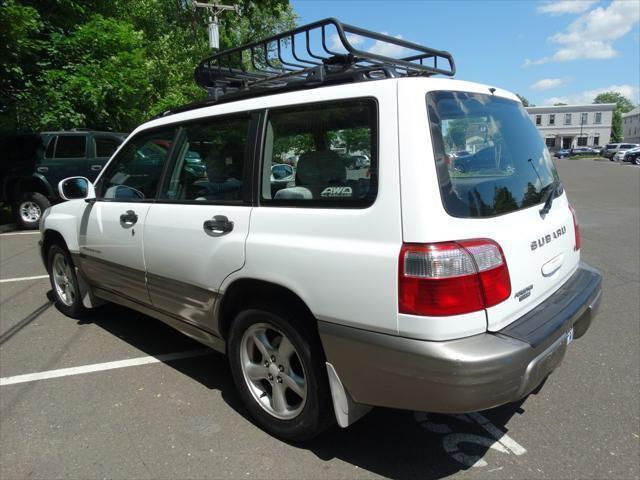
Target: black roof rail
{"type": "Point", "coordinates": [290, 57]}
{"type": "Point", "coordinates": [302, 58]}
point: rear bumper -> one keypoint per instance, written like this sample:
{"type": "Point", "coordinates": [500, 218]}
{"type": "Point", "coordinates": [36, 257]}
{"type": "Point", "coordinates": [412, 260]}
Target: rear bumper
{"type": "Point", "coordinates": [469, 374]}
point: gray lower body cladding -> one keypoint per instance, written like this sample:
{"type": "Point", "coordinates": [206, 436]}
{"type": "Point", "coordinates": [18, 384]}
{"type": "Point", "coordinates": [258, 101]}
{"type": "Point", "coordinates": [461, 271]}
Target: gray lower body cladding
{"type": "Point", "coordinates": [464, 375]}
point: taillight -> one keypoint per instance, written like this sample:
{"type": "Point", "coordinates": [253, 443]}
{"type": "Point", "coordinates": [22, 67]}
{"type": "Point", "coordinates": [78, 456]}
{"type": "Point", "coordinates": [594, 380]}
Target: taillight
{"type": "Point", "coordinates": [451, 278]}
{"type": "Point", "coordinates": [576, 229]}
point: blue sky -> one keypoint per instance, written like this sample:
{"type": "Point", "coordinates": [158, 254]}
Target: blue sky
{"type": "Point", "coordinates": [561, 51]}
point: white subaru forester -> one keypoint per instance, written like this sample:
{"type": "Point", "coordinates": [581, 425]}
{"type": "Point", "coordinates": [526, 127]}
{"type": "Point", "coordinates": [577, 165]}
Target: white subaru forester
{"type": "Point", "coordinates": [443, 275]}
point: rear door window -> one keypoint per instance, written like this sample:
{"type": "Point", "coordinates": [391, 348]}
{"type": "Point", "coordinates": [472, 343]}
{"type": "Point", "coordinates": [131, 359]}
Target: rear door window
{"type": "Point", "coordinates": [71, 146]}
{"type": "Point", "coordinates": [322, 154]}
{"type": "Point", "coordinates": [210, 162]}
{"type": "Point", "coordinates": [51, 147]}
{"type": "Point", "coordinates": [105, 146]}
{"type": "Point", "coordinates": [490, 158]}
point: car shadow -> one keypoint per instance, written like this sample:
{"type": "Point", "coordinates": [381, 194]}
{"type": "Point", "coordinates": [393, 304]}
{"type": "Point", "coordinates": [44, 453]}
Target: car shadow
{"type": "Point", "coordinates": [391, 443]}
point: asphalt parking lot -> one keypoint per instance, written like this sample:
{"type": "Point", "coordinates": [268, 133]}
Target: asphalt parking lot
{"type": "Point", "coordinates": [158, 415]}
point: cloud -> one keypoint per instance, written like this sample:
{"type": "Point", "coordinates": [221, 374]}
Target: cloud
{"type": "Point", "coordinates": [591, 36]}
{"type": "Point", "coordinates": [387, 49]}
{"type": "Point", "coordinates": [632, 92]}
{"type": "Point", "coordinates": [532, 63]}
{"type": "Point", "coordinates": [547, 84]}
{"type": "Point", "coordinates": [565, 6]}
{"type": "Point", "coordinates": [336, 44]}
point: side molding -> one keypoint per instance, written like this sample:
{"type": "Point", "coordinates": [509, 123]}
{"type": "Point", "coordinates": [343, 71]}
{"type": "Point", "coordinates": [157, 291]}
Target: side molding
{"type": "Point", "coordinates": [347, 411]}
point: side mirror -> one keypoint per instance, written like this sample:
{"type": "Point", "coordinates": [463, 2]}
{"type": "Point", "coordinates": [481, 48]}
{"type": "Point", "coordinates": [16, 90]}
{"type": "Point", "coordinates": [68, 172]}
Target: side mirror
{"type": "Point", "coordinates": [75, 188]}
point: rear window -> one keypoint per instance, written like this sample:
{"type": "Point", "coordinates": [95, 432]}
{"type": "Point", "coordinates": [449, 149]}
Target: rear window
{"type": "Point", "coordinates": [490, 158]}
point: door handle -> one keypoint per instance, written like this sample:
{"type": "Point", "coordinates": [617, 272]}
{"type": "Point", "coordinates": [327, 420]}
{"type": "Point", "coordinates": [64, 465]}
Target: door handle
{"type": "Point", "coordinates": [220, 225]}
{"type": "Point", "coordinates": [129, 218]}
{"type": "Point", "coordinates": [42, 169]}
{"type": "Point", "coordinates": [96, 168]}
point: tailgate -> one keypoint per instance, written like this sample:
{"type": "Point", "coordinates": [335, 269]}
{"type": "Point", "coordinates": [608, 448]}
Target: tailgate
{"type": "Point", "coordinates": [540, 256]}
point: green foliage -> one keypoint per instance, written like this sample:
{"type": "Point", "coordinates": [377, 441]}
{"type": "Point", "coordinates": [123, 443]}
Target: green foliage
{"type": "Point", "coordinates": [111, 65]}
{"type": "Point", "coordinates": [291, 144]}
{"type": "Point", "coordinates": [623, 105]}
{"type": "Point", "coordinates": [456, 135]}
{"type": "Point", "coordinates": [559, 104]}
{"type": "Point", "coordinates": [525, 102]}
{"type": "Point", "coordinates": [357, 140]}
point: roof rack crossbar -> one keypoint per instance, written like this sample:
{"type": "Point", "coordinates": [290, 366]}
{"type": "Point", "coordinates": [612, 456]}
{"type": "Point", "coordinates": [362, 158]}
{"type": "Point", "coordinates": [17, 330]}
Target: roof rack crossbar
{"type": "Point", "coordinates": [279, 60]}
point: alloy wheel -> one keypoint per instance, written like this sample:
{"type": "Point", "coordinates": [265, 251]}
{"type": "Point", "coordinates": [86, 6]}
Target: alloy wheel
{"type": "Point", "coordinates": [30, 211]}
{"type": "Point", "coordinates": [63, 279]}
{"type": "Point", "coordinates": [273, 371]}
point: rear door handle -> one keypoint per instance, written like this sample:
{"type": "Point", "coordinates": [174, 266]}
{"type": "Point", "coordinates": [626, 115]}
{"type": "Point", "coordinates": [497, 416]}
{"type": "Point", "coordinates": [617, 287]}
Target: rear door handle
{"type": "Point", "coordinates": [220, 225]}
{"type": "Point", "coordinates": [96, 168]}
{"type": "Point", "coordinates": [42, 169]}
{"type": "Point", "coordinates": [129, 218]}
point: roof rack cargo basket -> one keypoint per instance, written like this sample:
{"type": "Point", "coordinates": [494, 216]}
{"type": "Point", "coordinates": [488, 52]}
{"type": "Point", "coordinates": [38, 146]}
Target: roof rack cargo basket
{"type": "Point", "coordinates": [318, 53]}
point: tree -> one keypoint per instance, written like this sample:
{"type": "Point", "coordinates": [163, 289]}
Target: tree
{"type": "Point", "coordinates": [111, 65]}
{"type": "Point", "coordinates": [525, 102]}
{"type": "Point", "coordinates": [559, 104]}
{"type": "Point", "coordinates": [457, 134]}
{"type": "Point", "coordinates": [623, 105]}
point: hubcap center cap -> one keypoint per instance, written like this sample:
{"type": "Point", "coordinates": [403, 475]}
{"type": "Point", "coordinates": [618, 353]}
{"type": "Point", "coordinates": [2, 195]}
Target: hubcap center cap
{"type": "Point", "coordinates": [273, 369]}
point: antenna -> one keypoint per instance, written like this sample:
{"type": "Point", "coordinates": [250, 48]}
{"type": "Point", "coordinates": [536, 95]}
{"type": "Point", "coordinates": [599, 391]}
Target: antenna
{"type": "Point", "coordinates": [213, 10]}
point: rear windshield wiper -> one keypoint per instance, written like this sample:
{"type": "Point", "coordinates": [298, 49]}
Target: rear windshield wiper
{"type": "Point", "coordinates": [554, 189]}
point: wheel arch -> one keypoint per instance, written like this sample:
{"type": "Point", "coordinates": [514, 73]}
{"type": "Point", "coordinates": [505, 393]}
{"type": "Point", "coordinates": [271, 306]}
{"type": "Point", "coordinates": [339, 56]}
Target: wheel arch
{"type": "Point", "coordinates": [49, 238]}
{"type": "Point", "coordinates": [36, 183]}
{"type": "Point", "coordinates": [245, 292]}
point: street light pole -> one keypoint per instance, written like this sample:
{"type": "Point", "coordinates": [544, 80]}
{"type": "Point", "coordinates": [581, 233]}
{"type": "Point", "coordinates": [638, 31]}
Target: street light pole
{"type": "Point", "coordinates": [213, 10]}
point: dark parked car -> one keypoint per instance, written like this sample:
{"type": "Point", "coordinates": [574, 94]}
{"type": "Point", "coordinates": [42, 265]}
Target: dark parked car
{"type": "Point", "coordinates": [582, 151]}
{"type": "Point", "coordinates": [632, 156]}
{"type": "Point", "coordinates": [31, 165]}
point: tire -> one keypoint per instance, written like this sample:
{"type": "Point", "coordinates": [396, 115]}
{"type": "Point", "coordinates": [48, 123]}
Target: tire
{"type": "Point", "coordinates": [29, 208]}
{"type": "Point", "coordinates": [64, 282]}
{"type": "Point", "coordinates": [261, 366]}
{"type": "Point", "coordinates": [636, 160]}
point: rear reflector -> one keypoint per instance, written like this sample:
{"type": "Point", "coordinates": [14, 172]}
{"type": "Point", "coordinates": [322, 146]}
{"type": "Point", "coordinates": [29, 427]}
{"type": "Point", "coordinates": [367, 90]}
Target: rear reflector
{"type": "Point", "coordinates": [451, 278]}
{"type": "Point", "coordinates": [576, 229]}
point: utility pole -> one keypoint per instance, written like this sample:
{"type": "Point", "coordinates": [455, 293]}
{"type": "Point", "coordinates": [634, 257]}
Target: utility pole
{"type": "Point", "coordinates": [213, 11]}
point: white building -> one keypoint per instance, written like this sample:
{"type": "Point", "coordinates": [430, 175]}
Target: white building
{"type": "Point", "coordinates": [631, 126]}
{"type": "Point", "coordinates": [568, 126]}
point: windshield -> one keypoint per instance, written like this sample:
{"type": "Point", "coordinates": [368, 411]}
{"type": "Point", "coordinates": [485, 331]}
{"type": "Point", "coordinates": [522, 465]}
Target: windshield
{"type": "Point", "coordinates": [490, 158]}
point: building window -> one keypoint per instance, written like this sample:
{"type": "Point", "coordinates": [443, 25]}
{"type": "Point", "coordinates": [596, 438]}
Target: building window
{"type": "Point", "coordinates": [552, 119]}
{"type": "Point", "coordinates": [538, 119]}
{"type": "Point", "coordinates": [584, 118]}
{"type": "Point", "coordinates": [596, 141]}
{"type": "Point", "coordinates": [598, 117]}
{"type": "Point", "coordinates": [567, 119]}
{"type": "Point", "coordinates": [550, 142]}
{"type": "Point", "coordinates": [582, 141]}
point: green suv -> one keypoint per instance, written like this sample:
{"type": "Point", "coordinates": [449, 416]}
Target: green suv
{"type": "Point", "coordinates": [33, 164]}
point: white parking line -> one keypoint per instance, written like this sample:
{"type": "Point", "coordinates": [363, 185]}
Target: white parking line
{"type": "Point", "coordinates": [100, 367]}
{"type": "Point", "coordinates": [19, 233]}
{"type": "Point", "coordinates": [498, 434]}
{"type": "Point", "coordinates": [23, 279]}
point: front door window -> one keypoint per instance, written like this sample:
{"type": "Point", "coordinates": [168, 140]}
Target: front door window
{"type": "Point", "coordinates": [135, 172]}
